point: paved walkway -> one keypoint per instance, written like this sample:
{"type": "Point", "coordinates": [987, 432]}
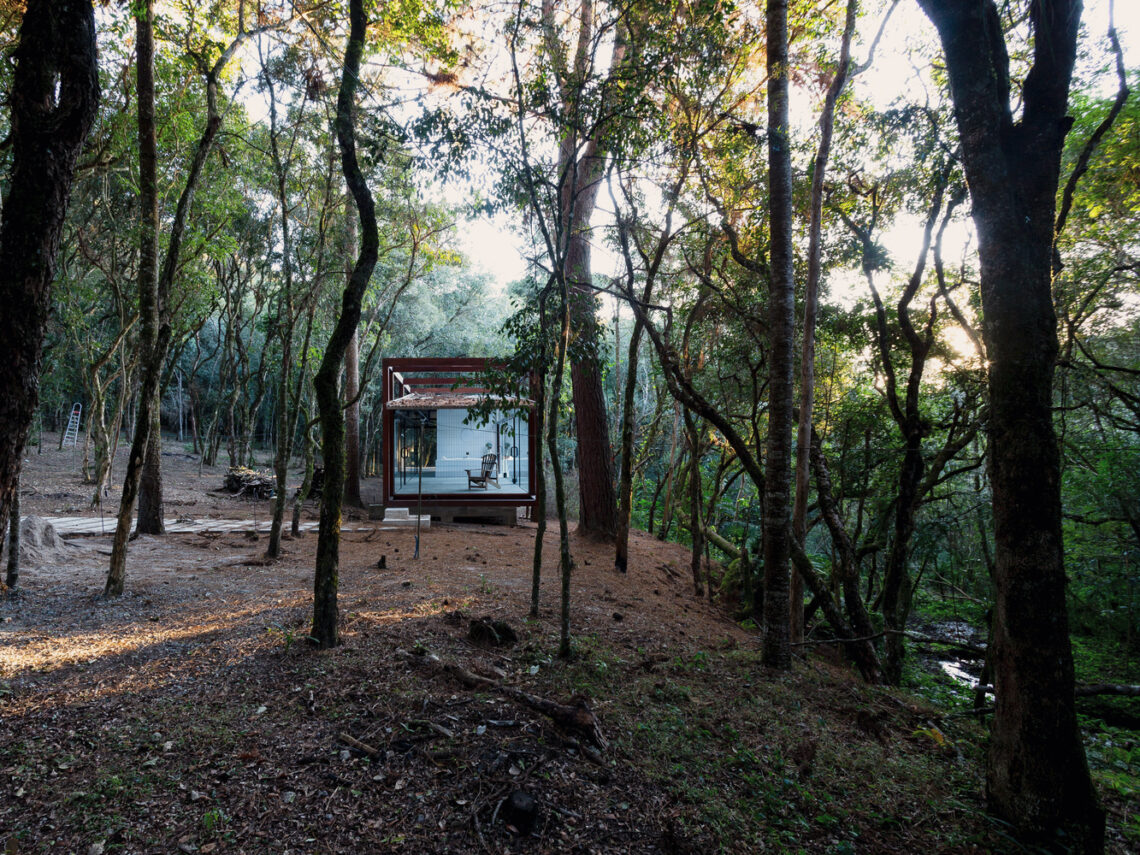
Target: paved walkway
{"type": "Point", "coordinates": [73, 526]}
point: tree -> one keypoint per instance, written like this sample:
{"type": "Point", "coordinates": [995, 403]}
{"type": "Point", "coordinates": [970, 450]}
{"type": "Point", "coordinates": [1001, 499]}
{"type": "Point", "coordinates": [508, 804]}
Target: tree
{"type": "Point", "coordinates": [584, 87]}
{"type": "Point", "coordinates": [777, 651]}
{"type": "Point", "coordinates": [150, 488]}
{"type": "Point", "coordinates": [1036, 777]}
{"type": "Point", "coordinates": [155, 285]}
{"type": "Point", "coordinates": [325, 579]}
{"type": "Point", "coordinates": [54, 97]}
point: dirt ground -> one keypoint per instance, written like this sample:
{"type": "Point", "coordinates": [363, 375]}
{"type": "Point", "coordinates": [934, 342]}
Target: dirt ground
{"type": "Point", "coordinates": [202, 580]}
{"type": "Point", "coordinates": [209, 636]}
{"type": "Point", "coordinates": [191, 715]}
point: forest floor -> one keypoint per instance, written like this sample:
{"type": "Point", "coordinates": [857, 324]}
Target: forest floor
{"type": "Point", "coordinates": [191, 715]}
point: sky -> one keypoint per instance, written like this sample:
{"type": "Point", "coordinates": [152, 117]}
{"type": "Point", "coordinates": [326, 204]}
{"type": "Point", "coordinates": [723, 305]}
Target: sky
{"type": "Point", "coordinates": [492, 247]}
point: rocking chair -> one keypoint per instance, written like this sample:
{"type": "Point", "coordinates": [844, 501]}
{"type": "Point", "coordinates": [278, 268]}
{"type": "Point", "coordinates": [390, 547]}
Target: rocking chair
{"type": "Point", "coordinates": [486, 473]}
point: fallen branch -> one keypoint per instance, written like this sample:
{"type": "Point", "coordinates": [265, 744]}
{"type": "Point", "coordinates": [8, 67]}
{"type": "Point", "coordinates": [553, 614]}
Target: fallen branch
{"type": "Point", "coordinates": [1091, 690]}
{"type": "Point", "coordinates": [353, 742]}
{"type": "Point", "coordinates": [431, 725]}
{"type": "Point", "coordinates": [1094, 689]}
{"type": "Point", "coordinates": [576, 717]}
{"type": "Point", "coordinates": [974, 649]}
{"type": "Point", "coordinates": [726, 546]}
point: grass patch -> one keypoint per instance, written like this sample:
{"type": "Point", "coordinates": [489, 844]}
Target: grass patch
{"type": "Point", "coordinates": [788, 763]}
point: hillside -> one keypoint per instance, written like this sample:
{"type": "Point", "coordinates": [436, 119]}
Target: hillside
{"type": "Point", "coordinates": [192, 716]}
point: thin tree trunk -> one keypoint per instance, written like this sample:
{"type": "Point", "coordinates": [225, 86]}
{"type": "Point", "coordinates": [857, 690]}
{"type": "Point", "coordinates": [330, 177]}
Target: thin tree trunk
{"type": "Point", "coordinates": [811, 306]}
{"type": "Point", "coordinates": [695, 501]}
{"type": "Point", "coordinates": [625, 486]}
{"type": "Point", "coordinates": [352, 389]}
{"type": "Point", "coordinates": [352, 423]}
{"type": "Point", "coordinates": [116, 575]}
{"type": "Point", "coordinates": [566, 562]}
{"type": "Point", "coordinates": [285, 323]}
{"type": "Point", "coordinates": [325, 630]}
{"type": "Point", "coordinates": [667, 509]}
{"type": "Point", "coordinates": [539, 394]}
{"type": "Point", "coordinates": [306, 481]}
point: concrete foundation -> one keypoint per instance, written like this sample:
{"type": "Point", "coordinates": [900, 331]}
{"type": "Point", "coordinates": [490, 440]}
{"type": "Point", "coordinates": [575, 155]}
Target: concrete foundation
{"type": "Point", "coordinates": [448, 514]}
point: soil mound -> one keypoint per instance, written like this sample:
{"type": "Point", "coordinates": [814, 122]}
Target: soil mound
{"type": "Point", "coordinates": [40, 543]}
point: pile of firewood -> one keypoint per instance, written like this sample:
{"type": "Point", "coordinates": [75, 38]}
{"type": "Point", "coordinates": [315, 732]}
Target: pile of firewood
{"type": "Point", "coordinates": [243, 481]}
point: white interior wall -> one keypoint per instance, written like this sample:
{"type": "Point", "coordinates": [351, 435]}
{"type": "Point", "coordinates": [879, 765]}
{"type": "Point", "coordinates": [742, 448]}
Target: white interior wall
{"type": "Point", "coordinates": [461, 446]}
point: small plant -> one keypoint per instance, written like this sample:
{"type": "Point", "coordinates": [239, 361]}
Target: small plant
{"type": "Point", "coordinates": [214, 820]}
{"type": "Point", "coordinates": [287, 635]}
{"type": "Point", "coordinates": [485, 587]}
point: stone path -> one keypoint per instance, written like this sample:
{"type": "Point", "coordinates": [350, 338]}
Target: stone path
{"type": "Point", "coordinates": [74, 526]}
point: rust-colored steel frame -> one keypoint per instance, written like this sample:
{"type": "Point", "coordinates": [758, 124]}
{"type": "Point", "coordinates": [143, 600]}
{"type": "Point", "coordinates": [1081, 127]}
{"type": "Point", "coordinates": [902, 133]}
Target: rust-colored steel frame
{"type": "Point", "coordinates": [398, 381]}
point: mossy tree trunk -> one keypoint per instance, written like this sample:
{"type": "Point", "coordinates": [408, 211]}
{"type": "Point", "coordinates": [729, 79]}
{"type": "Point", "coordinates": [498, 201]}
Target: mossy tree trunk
{"type": "Point", "coordinates": [52, 104]}
{"type": "Point", "coordinates": [325, 581]}
{"type": "Point", "coordinates": [777, 651]}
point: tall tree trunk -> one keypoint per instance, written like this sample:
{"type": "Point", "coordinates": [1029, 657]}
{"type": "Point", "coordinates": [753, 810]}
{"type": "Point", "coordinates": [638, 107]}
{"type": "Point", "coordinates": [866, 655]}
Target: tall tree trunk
{"type": "Point", "coordinates": [811, 307]}
{"type": "Point", "coordinates": [538, 393]}
{"type": "Point", "coordinates": [352, 423]}
{"type": "Point", "coordinates": [12, 578]}
{"type": "Point", "coordinates": [581, 163]}
{"type": "Point", "coordinates": [695, 501]}
{"type": "Point", "coordinates": [150, 488]}
{"type": "Point", "coordinates": [565, 561]}
{"type": "Point", "coordinates": [325, 581]}
{"type": "Point", "coordinates": [625, 484]}
{"type": "Point", "coordinates": [147, 291]}
{"type": "Point", "coordinates": [1037, 777]}
{"type": "Point", "coordinates": [53, 99]}
{"type": "Point", "coordinates": [777, 651]}
{"type": "Point", "coordinates": [151, 512]}
{"type": "Point", "coordinates": [154, 291]}
{"type": "Point", "coordinates": [286, 410]}
{"type": "Point", "coordinates": [352, 382]}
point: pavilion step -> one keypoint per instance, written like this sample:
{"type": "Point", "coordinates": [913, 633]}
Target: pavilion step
{"type": "Point", "coordinates": [401, 517]}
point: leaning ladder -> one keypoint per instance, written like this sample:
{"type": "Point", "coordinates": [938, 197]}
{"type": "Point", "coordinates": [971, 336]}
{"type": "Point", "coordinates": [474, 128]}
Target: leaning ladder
{"type": "Point", "coordinates": [71, 435]}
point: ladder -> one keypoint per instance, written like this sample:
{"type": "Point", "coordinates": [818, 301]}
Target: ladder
{"type": "Point", "coordinates": [71, 435]}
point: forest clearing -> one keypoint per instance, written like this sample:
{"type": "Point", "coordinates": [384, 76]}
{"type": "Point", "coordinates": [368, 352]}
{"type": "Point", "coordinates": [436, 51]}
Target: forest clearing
{"type": "Point", "coordinates": [800, 338]}
{"type": "Point", "coordinates": [192, 716]}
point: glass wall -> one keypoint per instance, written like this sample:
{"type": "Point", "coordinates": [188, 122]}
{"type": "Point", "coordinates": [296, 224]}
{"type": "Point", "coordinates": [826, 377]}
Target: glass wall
{"type": "Point", "coordinates": [454, 452]}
